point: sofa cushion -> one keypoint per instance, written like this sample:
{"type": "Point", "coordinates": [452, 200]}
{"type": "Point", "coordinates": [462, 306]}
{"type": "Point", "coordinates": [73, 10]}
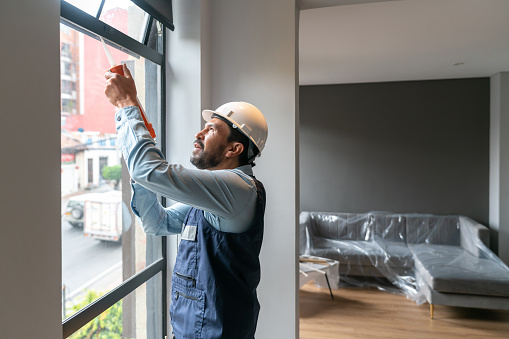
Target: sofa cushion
{"type": "Point", "coordinates": [364, 253]}
{"type": "Point", "coordinates": [350, 251]}
{"type": "Point", "coordinates": [344, 226]}
{"type": "Point", "coordinates": [432, 229]}
{"type": "Point", "coordinates": [452, 269]}
{"type": "Point", "coordinates": [396, 254]}
{"type": "Point", "coordinates": [390, 227]}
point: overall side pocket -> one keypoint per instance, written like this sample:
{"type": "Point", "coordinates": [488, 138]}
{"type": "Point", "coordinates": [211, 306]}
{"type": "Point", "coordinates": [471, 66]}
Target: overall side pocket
{"type": "Point", "coordinates": [187, 311]}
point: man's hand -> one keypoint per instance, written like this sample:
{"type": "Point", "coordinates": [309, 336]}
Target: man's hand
{"type": "Point", "coordinates": [120, 90]}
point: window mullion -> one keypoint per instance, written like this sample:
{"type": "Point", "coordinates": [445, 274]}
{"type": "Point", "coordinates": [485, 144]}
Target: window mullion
{"type": "Point", "coordinates": [163, 150]}
{"type": "Point", "coordinates": [148, 29]}
{"type": "Point", "coordinates": [99, 11]}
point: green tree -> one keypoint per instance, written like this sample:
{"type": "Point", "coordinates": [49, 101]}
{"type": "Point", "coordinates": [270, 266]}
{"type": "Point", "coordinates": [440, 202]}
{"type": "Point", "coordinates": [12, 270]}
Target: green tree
{"type": "Point", "coordinates": [112, 173]}
{"type": "Point", "coordinates": [108, 325]}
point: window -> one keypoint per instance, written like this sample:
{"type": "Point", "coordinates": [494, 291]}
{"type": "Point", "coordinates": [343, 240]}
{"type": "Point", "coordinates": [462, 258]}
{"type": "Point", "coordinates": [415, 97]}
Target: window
{"type": "Point", "coordinates": [90, 7]}
{"type": "Point", "coordinates": [68, 106]}
{"type": "Point", "coordinates": [114, 13]}
{"type": "Point", "coordinates": [66, 50]}
{"type": "Point", "coordinates": [68, 68]}
{"type": "Point", "coordinates": [90, 171]}
{"type": "Point", "coordinates": [67, 87]}
{"type": "Point", "coordinates": [105, 254]}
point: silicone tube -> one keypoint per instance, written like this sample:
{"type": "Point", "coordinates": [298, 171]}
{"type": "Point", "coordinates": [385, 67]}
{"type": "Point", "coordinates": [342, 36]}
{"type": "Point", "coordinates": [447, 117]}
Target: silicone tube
{"type": "Point", "coordinates": [120, 70]}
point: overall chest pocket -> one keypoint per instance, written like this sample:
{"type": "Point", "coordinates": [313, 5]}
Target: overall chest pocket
{"type": "Point", "coordinates": [188, 248]}
{"type": "Point", "coordinates": [187, 310]}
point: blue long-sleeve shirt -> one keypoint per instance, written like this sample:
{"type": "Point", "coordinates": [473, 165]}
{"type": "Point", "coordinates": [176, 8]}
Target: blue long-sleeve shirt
{"type": "Point", "coordinates": [228, 197]}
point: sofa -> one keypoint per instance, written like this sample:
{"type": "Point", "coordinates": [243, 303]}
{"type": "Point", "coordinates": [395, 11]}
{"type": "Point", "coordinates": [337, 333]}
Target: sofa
{"type": "Point", "coordinates": [442, 260]}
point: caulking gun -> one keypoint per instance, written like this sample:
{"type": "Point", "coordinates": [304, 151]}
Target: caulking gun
{"type": "Point", "coordinates": [119, 70]}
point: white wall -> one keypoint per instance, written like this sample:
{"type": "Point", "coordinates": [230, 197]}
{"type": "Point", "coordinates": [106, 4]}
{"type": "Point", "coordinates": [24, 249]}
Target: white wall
{"type": "Point", "coordinates": [254, 59]}
{"type": "Point", "coordinates": [237, 50]}
{"type": "Point", "coordinates": [382, 162]}
{"type": "Point", "coordinates": [184, 82]}
{"type": "Point", "coordinates": [499, 165]}
{"type": "Point", "coordinates": [30, 264]}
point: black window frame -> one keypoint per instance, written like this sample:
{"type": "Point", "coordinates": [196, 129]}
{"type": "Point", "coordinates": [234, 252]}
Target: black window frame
{"type": "Point", "coordinates": [83, 22]}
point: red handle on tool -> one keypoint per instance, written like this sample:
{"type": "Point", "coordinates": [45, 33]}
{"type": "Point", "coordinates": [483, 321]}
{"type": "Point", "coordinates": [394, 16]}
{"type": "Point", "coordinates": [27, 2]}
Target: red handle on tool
{"type": "Point", "coordinates": [120, 70]}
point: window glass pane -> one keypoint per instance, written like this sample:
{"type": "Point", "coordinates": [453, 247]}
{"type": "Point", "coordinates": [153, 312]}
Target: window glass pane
{"type": "Point", "coordinates": [124, 16]}
{"type": "Point", "coordinates": [89, 6]}
{"type": "Point", "coordinates": [102, 245]}
{"type": "Point", "coordinates": [138, 315]}
{"type": "Point", "coordinates": [155, 37]}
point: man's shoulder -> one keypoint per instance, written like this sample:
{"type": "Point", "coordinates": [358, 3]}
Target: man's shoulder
{"type": "Point", "coordinates": [246, 169]}
{"type": "Point", "coordinates": [244, 172]}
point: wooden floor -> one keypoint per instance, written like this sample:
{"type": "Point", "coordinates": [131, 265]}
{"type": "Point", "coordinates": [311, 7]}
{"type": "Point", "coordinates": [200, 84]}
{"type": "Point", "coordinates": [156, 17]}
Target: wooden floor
{"type": "Point", "coordinates": [369, 313]}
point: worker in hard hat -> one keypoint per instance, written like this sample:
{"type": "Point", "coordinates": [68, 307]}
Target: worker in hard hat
{"type": "Point", "coordinates": [219, 213]}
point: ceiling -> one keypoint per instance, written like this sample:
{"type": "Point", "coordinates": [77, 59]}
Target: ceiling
{"type": "Point", "coordinates": [348, 41]}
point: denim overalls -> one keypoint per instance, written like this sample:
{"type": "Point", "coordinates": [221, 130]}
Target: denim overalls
{"type": "Point", "coordinates": [215, 278]}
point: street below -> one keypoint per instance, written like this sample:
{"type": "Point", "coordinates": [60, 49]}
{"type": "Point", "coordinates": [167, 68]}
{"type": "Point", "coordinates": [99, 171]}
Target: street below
{"type": "Point", "coordinates": [88, 264]}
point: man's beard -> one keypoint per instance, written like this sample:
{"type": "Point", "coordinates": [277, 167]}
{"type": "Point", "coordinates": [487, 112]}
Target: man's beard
{"type": "Point", "coordinates": [205, 159]}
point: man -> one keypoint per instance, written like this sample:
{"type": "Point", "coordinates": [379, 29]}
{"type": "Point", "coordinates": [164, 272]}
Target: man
{"type": "Point", "coordinates": [219, 212]}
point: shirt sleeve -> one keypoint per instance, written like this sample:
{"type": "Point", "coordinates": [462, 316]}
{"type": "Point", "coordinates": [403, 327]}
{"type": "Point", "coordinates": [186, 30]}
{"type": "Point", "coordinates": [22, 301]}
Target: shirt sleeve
{"type": "Point", "coordinates": [155, 219]}
{"type": "Point", "coordinates": [224, 194]}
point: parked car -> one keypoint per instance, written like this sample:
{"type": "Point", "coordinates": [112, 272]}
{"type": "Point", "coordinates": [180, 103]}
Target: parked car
{"type": "Point", "coordinates": [75, 210]}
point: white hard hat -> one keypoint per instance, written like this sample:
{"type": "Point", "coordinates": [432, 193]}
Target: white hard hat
{"type": "Point", "coordinates": [246, 117]}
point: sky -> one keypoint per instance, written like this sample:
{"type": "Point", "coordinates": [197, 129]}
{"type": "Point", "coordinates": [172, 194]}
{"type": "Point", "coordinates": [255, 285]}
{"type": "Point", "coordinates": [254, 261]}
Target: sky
{"type": "Point", "coordinates": [91, 6]}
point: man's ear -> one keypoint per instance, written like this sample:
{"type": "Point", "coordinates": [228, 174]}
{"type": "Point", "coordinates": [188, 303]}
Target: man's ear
{"type": "Point", "coordinates": [235, 149]}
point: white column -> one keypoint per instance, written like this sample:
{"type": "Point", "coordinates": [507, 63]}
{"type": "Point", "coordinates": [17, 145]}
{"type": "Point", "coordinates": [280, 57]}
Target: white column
{"type": "Point", "coordinates": [183, 94]}
{"type": "Point", "coordinates": [254, 45]}
{"type": "Point", "coordinates": [499, 165]}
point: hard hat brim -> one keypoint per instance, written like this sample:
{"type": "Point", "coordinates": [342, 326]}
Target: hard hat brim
{"type": "Point", "coordinates": [207, 114]}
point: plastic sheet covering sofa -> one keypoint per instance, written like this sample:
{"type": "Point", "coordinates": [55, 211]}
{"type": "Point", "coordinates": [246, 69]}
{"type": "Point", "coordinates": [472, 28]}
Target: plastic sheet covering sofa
{"type": "Point", "coordinates": [443, 260]}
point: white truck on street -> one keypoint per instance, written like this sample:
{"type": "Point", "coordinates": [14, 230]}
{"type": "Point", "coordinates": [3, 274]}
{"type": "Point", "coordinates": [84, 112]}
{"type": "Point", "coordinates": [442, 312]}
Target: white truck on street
{"type": "Point", "coordinates": [103, 216]}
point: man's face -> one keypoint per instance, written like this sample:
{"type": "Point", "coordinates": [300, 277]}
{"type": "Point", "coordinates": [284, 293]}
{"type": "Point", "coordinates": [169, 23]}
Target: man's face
{"type": "Point", "coordinates": [210, 145]}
